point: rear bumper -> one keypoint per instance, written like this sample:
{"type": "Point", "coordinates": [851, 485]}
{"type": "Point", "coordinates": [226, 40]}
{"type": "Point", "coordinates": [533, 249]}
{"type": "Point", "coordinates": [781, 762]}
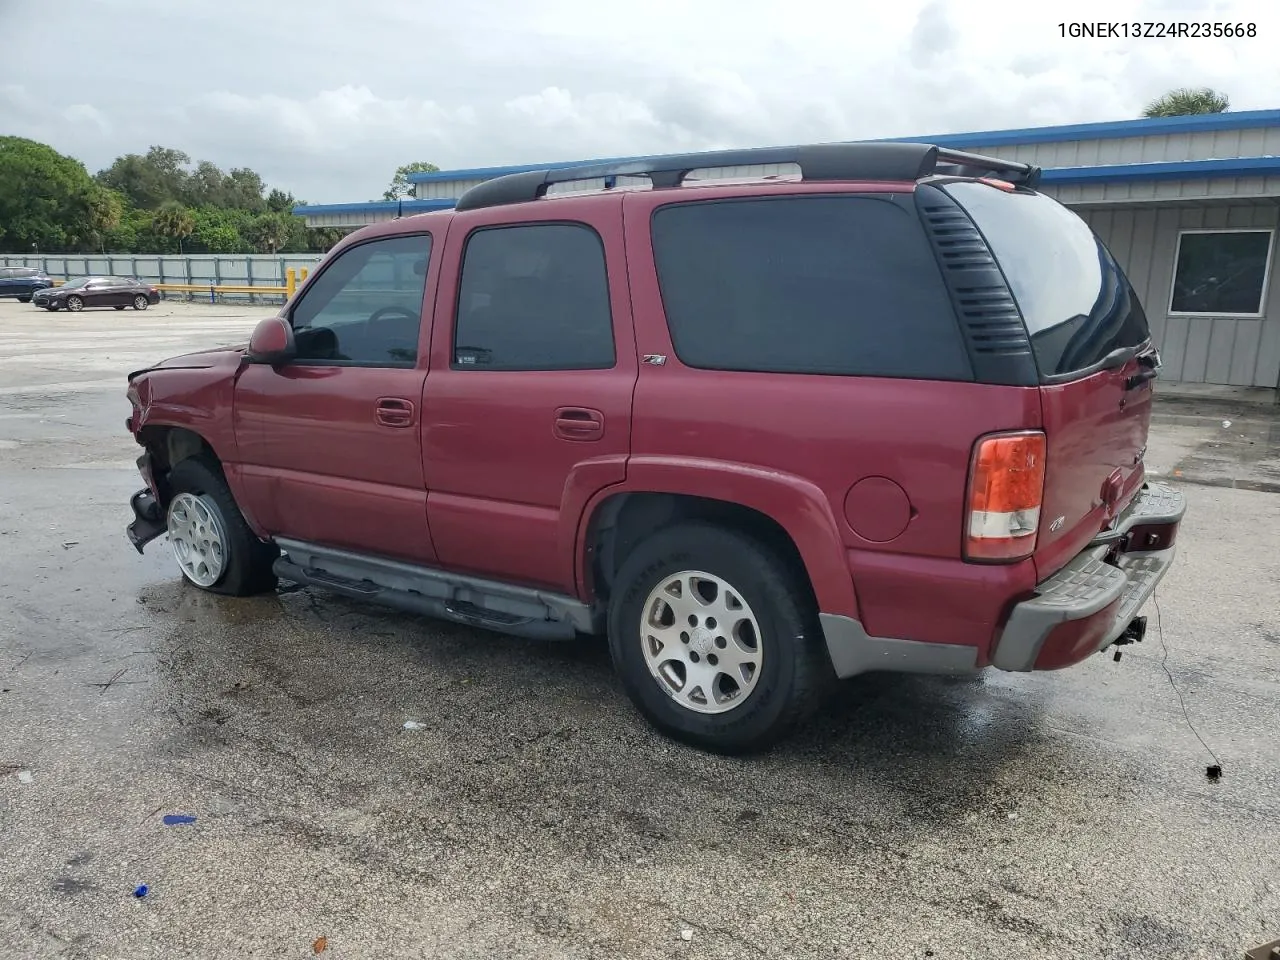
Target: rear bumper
{"type": "Point", "coordinates": [1088, 604]}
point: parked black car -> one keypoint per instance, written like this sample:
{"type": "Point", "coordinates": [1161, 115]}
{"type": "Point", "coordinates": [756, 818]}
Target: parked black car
{"type": "Point", "coordinates": [22, 282]}
{"type": "Point", "coordinates": [118, 292]}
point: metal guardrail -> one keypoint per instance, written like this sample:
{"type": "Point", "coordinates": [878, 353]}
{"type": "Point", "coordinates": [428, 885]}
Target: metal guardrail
{"type": "Point", "coordinates": [292, 279]}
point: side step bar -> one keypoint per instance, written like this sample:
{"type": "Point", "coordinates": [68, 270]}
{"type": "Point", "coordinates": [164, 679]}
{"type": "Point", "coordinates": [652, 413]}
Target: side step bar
{"type": "Point", "coordinates": [489, 604]}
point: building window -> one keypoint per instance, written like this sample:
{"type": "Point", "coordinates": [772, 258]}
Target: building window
{"type": "Point", "coordinates": [1221, 272]}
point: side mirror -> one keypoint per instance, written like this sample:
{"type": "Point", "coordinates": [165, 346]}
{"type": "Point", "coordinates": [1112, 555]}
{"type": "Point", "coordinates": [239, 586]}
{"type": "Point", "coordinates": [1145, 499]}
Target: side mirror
{"type": "Point", "coordinates": [272, 342]}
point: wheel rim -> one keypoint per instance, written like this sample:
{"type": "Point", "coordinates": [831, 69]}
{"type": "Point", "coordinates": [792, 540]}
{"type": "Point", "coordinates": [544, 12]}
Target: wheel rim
{"type": "Point", "coordinates": [701, 642]}
{"type": "Point", "coordinates": [140, 302]}
{"type": "Point", "coordinates": [197, 538]}
{"type": "Point", "coordinates": [74, 303]}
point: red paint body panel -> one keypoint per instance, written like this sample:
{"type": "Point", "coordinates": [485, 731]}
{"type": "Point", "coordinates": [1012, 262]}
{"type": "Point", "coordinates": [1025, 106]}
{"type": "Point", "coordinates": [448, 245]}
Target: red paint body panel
{"type": "Point", "coordinates": [506, 491]}
{"type": "Point", "coordinates": [1094, 428]}
{"type": "Point", "coordinates": [1075, 640]}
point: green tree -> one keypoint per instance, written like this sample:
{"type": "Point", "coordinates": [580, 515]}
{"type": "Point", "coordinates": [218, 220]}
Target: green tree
{"type": "Point", "coordinates": [1188, 101]}
{"type": "Point", "coordinates": [149, 181]}
{"type": "Point", "coordinates": [46, 199]}
{"type": "Point", "coordinates": [322, 239]}
{"type": "Point", "coordinates": [280, 201]}
{"type": "Point", "coordinates": [269, 232]}
{"type": "Point", "coordinates": [400, 186]}
{"type": "Point", "coordinates": [175, 221]}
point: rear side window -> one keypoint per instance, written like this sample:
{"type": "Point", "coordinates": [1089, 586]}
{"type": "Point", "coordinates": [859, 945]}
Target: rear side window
{"type": "Point", "coordinates": [534, 297]}
{"type": "Point", "coordinates": [1077, 303]}
{"type": "Point", "coordinates": [821, 285]}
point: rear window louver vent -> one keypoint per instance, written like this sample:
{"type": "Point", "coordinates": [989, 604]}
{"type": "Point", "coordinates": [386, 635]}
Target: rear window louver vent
{"type": "Point", "coordinates": [989, 317]}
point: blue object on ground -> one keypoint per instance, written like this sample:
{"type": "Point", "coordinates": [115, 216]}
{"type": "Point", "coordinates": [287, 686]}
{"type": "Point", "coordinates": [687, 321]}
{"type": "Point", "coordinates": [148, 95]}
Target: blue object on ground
{"type": "Point", "coordinates": [140, 890]}
{"type": "Point", "coordinates": [173, 819]}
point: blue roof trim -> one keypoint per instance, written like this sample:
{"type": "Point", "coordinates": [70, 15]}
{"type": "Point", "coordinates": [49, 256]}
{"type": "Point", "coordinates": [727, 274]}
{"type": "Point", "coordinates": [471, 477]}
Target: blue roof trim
{"type": "Point", "coordinates": [1108, 173]}
{"type": "Point", "coordinates": [375, 206]}
{"type": "Point", "coordinates": [1174, 170]}
{"type": "Point", "coordinates": [1108, 130]}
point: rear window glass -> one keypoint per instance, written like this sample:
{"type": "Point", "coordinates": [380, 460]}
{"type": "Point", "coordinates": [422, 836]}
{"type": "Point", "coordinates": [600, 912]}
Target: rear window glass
{"type": "Point", "coordinates": [1077, 303]}
{"type": "Point", "coordinates": [822, 285]}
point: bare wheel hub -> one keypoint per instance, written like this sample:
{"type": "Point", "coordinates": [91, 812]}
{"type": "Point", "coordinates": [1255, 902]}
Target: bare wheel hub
{"type": "Point", "coordinates": [701, 641]}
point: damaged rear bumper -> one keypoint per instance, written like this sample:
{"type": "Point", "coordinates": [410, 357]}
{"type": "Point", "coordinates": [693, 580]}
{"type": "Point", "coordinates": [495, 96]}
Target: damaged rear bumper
{"type": "Point", "coordinates": [1090, 603]}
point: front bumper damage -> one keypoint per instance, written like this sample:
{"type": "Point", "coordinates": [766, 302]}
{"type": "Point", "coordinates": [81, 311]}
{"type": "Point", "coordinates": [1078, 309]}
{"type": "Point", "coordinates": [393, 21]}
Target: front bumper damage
{"type": "Point", "coordinates": [148, 518]}
{"type": "Point", "coordinates": [1094, 600]}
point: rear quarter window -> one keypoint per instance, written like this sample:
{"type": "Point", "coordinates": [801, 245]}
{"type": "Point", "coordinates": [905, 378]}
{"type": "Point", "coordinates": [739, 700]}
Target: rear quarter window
{"type": "Point", "coordinates": [820, 285]}
{"type": "Point", "coordinates": [1077, 303]}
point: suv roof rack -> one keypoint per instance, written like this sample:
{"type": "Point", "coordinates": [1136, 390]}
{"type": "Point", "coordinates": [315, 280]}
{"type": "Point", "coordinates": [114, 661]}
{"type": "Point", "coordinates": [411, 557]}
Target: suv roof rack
{"type": "Point", "coordinates": [817, 162]}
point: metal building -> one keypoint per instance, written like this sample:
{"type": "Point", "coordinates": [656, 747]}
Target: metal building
{"type": "Point", "coordinates": [1189, 206]}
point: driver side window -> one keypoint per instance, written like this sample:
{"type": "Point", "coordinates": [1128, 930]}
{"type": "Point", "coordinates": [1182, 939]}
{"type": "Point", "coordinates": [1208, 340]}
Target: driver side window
{"type": "Point", "coordinates": [365, 309]}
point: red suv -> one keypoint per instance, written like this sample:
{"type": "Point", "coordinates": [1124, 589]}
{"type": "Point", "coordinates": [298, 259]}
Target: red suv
{"type": "Point", "coordinates": [888, 414]}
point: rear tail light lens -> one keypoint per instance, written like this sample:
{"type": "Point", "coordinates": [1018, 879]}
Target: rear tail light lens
{"type": "Point", "coordinates": [1006, 491]}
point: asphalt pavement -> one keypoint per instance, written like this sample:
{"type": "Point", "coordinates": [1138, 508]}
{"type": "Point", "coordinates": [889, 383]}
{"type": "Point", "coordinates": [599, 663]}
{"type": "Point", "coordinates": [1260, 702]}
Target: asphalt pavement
{"type": "Point", "coordinates": [534, 814]}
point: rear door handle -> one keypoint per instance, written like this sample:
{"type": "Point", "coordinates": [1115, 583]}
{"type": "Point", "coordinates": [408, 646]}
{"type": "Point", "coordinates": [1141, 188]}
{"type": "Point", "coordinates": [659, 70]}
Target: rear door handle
{"type": "Point", "coordinates": [394, 412]}
{"type": "Point", "coordinates": [579, 423]}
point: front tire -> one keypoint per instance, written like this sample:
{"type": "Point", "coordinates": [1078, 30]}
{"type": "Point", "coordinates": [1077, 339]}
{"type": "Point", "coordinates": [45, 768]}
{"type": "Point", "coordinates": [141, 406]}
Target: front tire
{"type": "Point", "coordinates": [716, 639]}
{"type": "Point", "coordinates": [75, 304]}
{"type": "Point", "coordinates": [214, 548]}
{"type": "Point", "coordinates": [140, 302]}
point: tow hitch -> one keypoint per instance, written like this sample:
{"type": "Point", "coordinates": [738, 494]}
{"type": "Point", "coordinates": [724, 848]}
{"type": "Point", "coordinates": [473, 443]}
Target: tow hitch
{"type": "Point", "coordinates": [1133, 633]}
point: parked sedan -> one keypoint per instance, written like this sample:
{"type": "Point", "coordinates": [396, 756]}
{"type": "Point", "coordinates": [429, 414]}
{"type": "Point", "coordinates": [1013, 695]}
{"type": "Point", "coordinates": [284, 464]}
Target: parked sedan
{"type": "Point", "coordinates": [118, 292]}
{"type": "Point", "coordinates": [22, 282]}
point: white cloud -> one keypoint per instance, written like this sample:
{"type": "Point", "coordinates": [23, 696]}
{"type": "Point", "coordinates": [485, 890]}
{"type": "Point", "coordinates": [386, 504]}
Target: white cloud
{"type": "Point", "coordinates": [326, 103]}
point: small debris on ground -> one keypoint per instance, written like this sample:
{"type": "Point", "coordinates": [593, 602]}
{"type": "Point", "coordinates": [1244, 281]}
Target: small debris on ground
{"type": "Point", "coordinates": [141, 890]}
{"type": "Point", "coordinates": [321, 945]}
{"type": "Point", "coordinates": [1213, 772]}
{"type": "Point", "coordinates": [414, 725]}
{"type": "Point", "coordinates": [1226, 424]}
{"type": "Point", "coordinates": [176, 819]}
{"type": "Point", "coordinates": [686, 935]}
{"type": "Point", "coordinates": [25, 776]}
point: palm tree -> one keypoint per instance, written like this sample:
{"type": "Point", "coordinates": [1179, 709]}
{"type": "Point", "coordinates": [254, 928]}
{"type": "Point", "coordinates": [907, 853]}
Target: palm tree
{"type": "Point", "coordinates": [1186, 101]}
{"type": "Point", "coordinates": [174, 220]}
{"type": "Point", "coordinates": [269, 232]}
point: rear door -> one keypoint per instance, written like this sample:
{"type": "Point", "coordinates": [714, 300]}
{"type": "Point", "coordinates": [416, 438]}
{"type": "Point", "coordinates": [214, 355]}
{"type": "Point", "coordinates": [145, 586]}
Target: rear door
{"type": "Point", "coordinates": [527, 409]}
{"type": "Point", "coordinates": [1091, 343]}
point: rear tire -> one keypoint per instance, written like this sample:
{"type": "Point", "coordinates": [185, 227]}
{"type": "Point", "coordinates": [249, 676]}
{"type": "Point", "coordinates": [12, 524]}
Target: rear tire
{"type": "Point", "coordinates": [757, 643]}
{"type": "Point", "coordinates": [203, 512]}
{"type": "Point", "coordinates": [24, 299]}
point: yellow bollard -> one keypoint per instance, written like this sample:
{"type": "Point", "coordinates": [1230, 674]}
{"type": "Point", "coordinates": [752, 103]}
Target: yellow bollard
{"type": "Point", "coordinates": [290, 283]}
{"type": "Point", "coordinates": [303, 277]}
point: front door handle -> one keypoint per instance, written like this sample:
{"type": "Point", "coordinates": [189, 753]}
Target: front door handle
{"type": "Point", "coordinates": [579, 423]}
{"type": "Point", "coordinates": [394, 412]}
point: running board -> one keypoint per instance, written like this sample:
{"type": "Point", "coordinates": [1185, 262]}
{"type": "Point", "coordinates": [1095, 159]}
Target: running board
{"type": "Point", "coordinates": [489, 604]}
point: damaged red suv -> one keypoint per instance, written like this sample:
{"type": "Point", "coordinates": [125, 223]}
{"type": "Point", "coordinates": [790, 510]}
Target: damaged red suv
{"type": "Point", "coordinates": [885, 413]}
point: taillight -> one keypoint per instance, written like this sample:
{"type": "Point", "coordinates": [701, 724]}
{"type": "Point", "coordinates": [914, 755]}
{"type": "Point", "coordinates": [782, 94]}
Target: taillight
{"type": "Point", "coordinates": [1006, 490]}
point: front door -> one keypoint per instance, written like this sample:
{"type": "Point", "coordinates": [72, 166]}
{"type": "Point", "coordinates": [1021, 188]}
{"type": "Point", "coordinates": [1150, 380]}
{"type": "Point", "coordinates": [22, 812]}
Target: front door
{"type": "Point", "coordinates": [330, 443]}
{"type": "Point", "coordinates": [528, 403]}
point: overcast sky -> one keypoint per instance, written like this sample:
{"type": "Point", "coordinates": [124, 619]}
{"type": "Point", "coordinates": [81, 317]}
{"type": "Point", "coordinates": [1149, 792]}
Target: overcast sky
{"type": "Point", "coordinates": [325, 98]}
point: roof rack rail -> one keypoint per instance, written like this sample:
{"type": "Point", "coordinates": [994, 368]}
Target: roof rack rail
{"type": "Point", "coordinates": [817, 162]}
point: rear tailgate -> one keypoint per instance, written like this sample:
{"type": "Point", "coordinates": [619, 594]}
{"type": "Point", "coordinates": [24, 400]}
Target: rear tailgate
{"type": "Point", "coordinates": [1092, 346]}
{"type": "Point", "coordinates": [1096, 429]}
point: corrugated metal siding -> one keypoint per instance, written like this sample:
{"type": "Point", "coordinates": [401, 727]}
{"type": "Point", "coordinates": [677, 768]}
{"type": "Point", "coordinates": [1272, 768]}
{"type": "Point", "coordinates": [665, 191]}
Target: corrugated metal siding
{"type": "Point", "coordinates": [443, 189]}
{"type": "Point", "coordinates": [1242, 352]}
{"type": "Point", "coordinates": [1165, 191]}
{"type": "Point", "coordinates": [1219, 144]}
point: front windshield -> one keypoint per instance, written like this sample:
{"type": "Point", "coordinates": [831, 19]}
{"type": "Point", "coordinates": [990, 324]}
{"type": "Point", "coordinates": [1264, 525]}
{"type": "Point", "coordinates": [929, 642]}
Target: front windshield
{"type": "Point", "coordinates": [76, 282]}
